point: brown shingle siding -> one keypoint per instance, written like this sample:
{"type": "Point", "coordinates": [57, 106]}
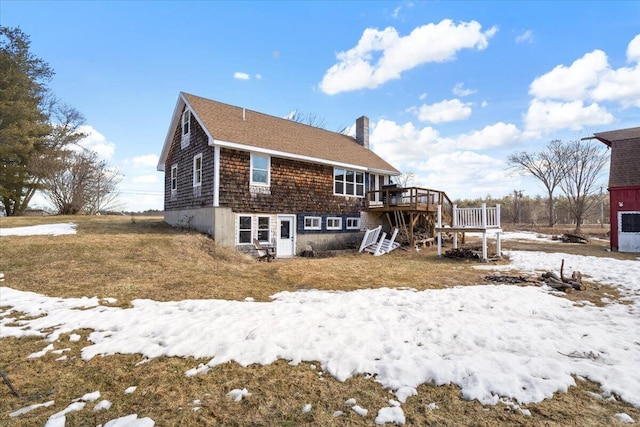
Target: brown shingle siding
{"type": "Point", "coordinates": [186, 197]}
{"type": "Point", "coordinates": [295, 187]}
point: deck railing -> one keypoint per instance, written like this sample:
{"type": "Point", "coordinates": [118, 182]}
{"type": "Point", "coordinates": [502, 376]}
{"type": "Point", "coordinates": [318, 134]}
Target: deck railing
{"type": "Point", "coordinates": [411, 198]}
{"type": "Point", "coordinates": [483, 217]}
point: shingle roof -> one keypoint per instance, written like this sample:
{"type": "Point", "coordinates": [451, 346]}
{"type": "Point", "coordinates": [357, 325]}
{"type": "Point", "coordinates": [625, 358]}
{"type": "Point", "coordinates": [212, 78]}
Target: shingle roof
{"type": "Point", "coordinates": [228, 123]}
{"type": "Point", "coordinates": [618, 135]}
{"type": "Point", "coordinates": [625, 156]}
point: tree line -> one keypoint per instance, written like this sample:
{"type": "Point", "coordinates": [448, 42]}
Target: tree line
{"type": "Point", "coordinates": [517, 208]}
{"type": "Point", "coordinates": [40, 139]}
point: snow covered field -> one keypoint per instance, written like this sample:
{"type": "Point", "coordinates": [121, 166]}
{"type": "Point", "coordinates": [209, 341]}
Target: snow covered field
{"type": "Point", "coordinates": [497, 343]}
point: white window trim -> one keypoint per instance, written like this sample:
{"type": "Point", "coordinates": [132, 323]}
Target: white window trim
{"type": "Point", "coordinates": [195, 159]}
{"type": "Point", "coordinates": [334, 227]}
{"type": "Point", "coordinates": [353, 227]}
{"type": "Point", "coordinates": [185, 136]}
{"type": "Point", "coordinates": [260, 184]}
{"type": "Point", "coordinates": [174, 178]}
{"type": "Point", "coordinates": [258, 228]}
{"type": "Point", "coordinates": [344, 184]}
{"type": "Point", "coordinates": [186, 119]}
{"type": "Point", "coordinates": [314, 219]}
{"type": "Point", "coordinates": [238, 230]}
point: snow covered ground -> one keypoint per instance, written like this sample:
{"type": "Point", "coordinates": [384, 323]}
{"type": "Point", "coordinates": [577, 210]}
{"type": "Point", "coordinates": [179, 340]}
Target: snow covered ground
{"type": "Point", "coordinates": [40, 230]}
{"type": "Point", "coordinates": [497, 343]}
{"type": "Point", "coordinates": [518, 235]}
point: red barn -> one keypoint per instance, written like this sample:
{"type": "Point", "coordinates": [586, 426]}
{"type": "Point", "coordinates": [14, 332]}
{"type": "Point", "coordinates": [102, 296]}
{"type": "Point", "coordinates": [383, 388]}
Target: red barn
{"type": "Point", "coordinates": [624, 187]}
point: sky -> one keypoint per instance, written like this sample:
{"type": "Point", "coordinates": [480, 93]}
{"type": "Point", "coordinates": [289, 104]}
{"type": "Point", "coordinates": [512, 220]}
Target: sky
{"type": "Point", "coordinates": [400, 338]}
{"type": "Point", "coordinates": [451, 88]}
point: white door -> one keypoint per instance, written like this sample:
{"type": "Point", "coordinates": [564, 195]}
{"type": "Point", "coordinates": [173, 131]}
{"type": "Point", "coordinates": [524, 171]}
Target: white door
{"type": "Point", "coordinates": [286, 242]}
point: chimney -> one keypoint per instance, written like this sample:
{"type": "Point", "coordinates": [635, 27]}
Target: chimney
{"type": "Point", "coordinates": [362, 131]}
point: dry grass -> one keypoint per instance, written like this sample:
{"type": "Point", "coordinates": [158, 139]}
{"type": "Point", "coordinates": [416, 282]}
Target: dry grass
{"type": "Point", "coordinates": [127, 259]}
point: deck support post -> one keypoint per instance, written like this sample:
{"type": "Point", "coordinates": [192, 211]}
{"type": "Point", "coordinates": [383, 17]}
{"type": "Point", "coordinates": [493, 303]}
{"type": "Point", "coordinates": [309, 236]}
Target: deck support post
{"type": "Point", "coordinates": [439, 232]}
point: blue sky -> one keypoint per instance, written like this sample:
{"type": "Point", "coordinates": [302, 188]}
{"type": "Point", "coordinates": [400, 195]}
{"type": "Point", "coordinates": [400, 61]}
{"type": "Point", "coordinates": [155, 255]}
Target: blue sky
{"type": "Point", "coordinates": [451, 88]}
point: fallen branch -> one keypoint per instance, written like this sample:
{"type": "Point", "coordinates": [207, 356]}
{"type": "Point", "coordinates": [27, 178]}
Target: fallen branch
{"type": "Point", "coordinates": [6, 380]}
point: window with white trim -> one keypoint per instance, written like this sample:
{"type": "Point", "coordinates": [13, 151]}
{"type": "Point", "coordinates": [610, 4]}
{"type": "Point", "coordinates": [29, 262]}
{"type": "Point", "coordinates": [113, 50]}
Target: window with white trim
{"type": "Point", "coordinates": [630, 222]}
{"type": "Point", "coordinates": [186, 128]}
{"type": "Point", "coordinates": [244, 229]}
{"type": "Point", "coordinates": [334, 223]}
{"type": "Point", "coordinates": [353, 223]}
{"type": "Point", "coordinates": [348, 182]}
{"type": "Point", "coordinates": [260, 165]}
{"type": "Point", "coordinates": [174, 178]}
{"type": "Point", "coordinates": [312, 223]}
{"type": "Point", "coordinates": [197, 170]}
{"type": "Point", "coordinates": [264, 228]}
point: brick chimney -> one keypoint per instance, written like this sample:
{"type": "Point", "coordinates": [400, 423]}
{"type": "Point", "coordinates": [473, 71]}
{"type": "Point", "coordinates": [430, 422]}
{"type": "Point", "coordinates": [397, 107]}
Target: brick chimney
{"type": "Point", "coordinates": [362, 131]}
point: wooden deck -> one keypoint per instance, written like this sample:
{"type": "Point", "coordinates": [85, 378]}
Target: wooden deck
{"type": "Point", "coordinates": [411, 209]}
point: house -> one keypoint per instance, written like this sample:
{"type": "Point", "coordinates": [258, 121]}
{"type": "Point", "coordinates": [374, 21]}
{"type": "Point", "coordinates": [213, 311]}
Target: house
{"type": "Point", "coordinates": [624, 187]}
{"type": "Point", "coordinates": [240, 175]}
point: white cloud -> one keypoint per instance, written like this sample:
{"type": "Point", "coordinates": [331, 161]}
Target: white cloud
{"type": "Point", "coordinates": [422, 96]}
{"type": "Point", "coordinates": [573, 82]}
{"type": "Point", "coordinates": [148, 160]}
{"type": "Point", "coordinates": [633, 50]}
{"type": "Point", "coordinates": [621, 85]}
{"type": "Point", "coordinates": [447, 110]}
{"type": "Point", "coordinates": [577, 96]}
{"type": "Point", "coordinates": [97, 142]}
{"type": "Point", "coordinates": [459, 90]}
{"type": "Point", "coordinates": [430, 156]}
{"type": "Point", "coordinates": [492, 136]}
{"type": "Point", "coordinates": [241, 76]}
{"type": "Point", "coordinates": [145, 179]}
{"type": "Point", "coordinates": [484, 104]}
{"type": "Point", "coordinates": [357, 68]}
{"type": "Point", "coordinates": [548, 116]}
{"type": "Point", "coordinates": [258, 76]}
{"type": "Point", "coordinates": [527, 36]}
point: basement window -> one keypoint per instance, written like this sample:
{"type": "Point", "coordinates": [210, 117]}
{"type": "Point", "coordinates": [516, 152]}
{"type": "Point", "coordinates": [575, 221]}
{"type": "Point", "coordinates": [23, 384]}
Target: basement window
{"type": "Point", "coordinates": [334, 223]}
{"type": "Point", "coordinates": [244, 229]}
{"type": "Point", "coordinates": [264, 226]}
{"type": "Point", "coordinates": [353, 223]}
{"type": "Point", "coordinates": [312, 223]}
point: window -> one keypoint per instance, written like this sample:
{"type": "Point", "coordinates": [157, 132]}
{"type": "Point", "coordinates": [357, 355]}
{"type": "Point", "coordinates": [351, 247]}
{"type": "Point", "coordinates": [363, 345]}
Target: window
{"type": "Point", "coordinates": [353, 223]}
{"type": "Point", "coordinates": [174, 178]}
{"type": "Point", "coordinates": [630, 222]}
{"type": "Point", "coordinates": [244, 229]}
{"type": "Point", "coordinates": [263, 229]}
{"type": "Point", "coordinates": [186, 128]}
{"type": "Point", "coordinates": [312, 223]}
{"type": "Point", "coordinates": [260, 169]}
{"type": "Point", "coordinates": [186, 125]}
{"type": "Point", "coordinates": [348, 183]}
{"type": "Point", "coordinates": [334, 223]}
{"type": "Point", "coordinates": [197, 170]}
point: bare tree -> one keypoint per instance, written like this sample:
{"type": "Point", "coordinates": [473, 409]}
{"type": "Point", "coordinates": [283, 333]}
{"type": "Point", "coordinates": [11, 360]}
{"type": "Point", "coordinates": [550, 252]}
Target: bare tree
{"type": "Point", "coordinates": [82, 183]}
{"type": "Point", "coordinates": [585, 160]}
{"type": "Point", "coordinates": [406, 179]}
{"type": "Point", "coordinates": [547, 165]}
